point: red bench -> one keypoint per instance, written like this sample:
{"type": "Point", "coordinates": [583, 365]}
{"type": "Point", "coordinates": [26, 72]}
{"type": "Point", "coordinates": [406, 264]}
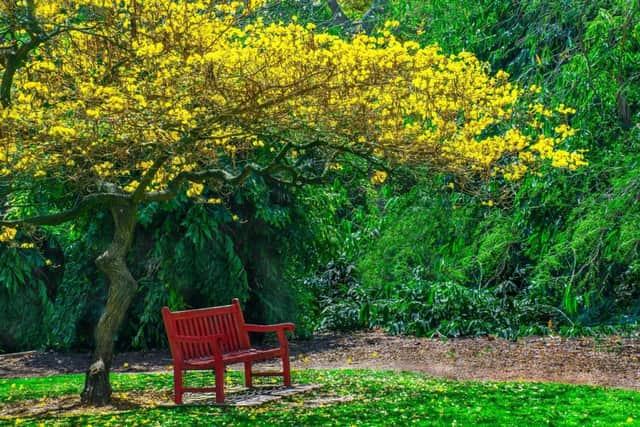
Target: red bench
{"type": "Point", "coordinates": [211, 338]}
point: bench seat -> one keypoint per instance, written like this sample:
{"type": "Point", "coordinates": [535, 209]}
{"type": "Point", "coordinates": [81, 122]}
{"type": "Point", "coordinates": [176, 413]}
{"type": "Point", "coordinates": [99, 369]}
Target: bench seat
{"type": "Point", "coordinates": [250, 354]}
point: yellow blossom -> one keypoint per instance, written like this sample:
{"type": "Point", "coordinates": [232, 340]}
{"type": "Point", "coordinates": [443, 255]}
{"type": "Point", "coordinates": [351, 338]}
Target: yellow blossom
{"type": "Point", "coordinates": [379, 177]}
{"type": "Point", "coordinates": [6, 235]}
{"type": "Point", "coordinates": [563, 109]}
{"type": "Point", "coordinates": [131, 187]}
{"type": "Point", "coordinates": [195, 189]}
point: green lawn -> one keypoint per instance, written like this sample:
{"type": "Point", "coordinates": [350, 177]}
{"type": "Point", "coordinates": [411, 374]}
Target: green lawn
{"type": "Point", "coordinates": [379, 398]}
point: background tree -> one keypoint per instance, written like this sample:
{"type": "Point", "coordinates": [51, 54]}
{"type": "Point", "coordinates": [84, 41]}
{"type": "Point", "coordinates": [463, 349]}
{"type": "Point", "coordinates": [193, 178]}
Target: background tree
{"type": "Point", "coordinates": [156, 98]}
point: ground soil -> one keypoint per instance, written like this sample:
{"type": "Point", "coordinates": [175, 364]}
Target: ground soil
{"type": "Point", "coordinates": [610, 361]}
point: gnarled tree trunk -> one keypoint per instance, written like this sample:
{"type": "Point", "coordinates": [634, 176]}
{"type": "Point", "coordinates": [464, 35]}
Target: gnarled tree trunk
{"type": "Point", "coordinates": [122, 289]}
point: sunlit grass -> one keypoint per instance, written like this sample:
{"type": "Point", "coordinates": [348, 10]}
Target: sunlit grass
{"type": "Point", "coordinates": [376, 398]}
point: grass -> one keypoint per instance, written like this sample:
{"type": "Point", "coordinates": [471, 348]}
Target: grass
{"type": "Point", "coordinates": [379, 398]}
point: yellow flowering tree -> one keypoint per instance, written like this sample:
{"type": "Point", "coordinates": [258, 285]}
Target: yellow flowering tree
{"type": "Point", "coordinates": [122, 103]}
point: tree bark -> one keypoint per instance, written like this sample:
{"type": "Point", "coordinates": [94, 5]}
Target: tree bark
{"type": "Point", "coordinates": [366, 23]}
{"type": "Point", "coordinates": [122, 289]}
{"type": "Point", "coordinates": [339, 18]}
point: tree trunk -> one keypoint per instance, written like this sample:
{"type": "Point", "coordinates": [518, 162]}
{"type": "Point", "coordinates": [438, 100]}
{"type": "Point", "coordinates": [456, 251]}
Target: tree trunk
{"type": "Point", "coordinates": [122, 289]}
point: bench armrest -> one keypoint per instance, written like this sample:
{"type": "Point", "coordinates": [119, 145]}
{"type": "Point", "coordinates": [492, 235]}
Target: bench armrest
{"type": "Point", "coordinates": [270, 328]}
{"type": "Point", "coordinates": [278, 328]}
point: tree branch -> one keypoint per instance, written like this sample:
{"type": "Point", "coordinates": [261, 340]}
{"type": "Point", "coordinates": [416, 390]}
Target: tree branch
{"type": "Point", "coordinates": [200, 176]}
{"type": "Point", "coordinates": [366, 23]}
{"type": "Point", "coordinates": [270, 171]}
{"type": "Point", "coordinates": [148, 177]}
{"type": "Point", "coordinates": [82, 206]}
{"type": "Point", "coordinates": [369, 18]}
{"type": "Point", "coordinates": [338, 16]}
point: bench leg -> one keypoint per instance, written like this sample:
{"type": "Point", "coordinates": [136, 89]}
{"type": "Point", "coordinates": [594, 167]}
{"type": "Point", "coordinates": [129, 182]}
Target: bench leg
{"type": "Point", "coordinates": [177, 385]}
{"type": "Point", "coordinates": [286, 369]}
{"type": "Point", "coordinates": [219, 383]}
{"type": "Point", "coordinates": [248, 378]}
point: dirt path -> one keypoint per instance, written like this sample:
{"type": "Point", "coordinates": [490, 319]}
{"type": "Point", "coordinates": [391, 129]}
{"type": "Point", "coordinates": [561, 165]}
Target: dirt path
{"type": "Point", "coordinates": [609, 361]}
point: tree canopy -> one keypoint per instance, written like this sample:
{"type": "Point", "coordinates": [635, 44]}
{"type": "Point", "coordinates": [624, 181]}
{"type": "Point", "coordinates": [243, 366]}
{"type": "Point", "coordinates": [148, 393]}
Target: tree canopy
{"type": "Point", "coordinates": [151, 95]}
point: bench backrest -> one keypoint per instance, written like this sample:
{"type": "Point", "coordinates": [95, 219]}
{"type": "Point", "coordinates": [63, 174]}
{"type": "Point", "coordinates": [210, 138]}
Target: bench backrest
{"type": "Point", "coordinates": [226, 320]}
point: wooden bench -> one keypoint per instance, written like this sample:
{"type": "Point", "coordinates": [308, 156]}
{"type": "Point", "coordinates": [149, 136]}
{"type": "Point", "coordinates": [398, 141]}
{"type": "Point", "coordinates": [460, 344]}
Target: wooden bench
{"type": "Point", "coordinates": [211, 338]}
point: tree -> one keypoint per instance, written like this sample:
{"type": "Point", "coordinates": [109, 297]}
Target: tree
{"type": "Point", "coordinates": [111, 105]}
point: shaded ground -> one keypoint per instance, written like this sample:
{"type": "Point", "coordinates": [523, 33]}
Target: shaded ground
{"type": "Point", "coordinates": [609, 361]}
{"type": "Point", "coordinates": [70, 405]}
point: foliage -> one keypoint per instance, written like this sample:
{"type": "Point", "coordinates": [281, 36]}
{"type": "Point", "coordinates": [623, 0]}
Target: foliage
{"type": "Point", "coordinates": [377, 398]}
{"type": "Point", "coordinates": [253, 254]}
{"type": "Point", "coordinates": [270, 239]}
{"type": "Point", "coordinates": [596, 257]}
{"type": "Point", "coordinates": [338, 297]}
{"type": "Point", "coordinates": [499, 274]}
{"type": "Point", "coordinates": [22, 276]}
{"type": "Point", "coordinates": [559, 252]}
{"type": "Point", "coordinates": [80, 291]}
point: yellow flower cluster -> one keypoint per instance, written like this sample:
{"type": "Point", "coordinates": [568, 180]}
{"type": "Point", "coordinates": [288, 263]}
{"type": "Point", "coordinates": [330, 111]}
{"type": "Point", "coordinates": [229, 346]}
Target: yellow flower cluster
{"type": "Point", "coordinates": [563, 109]}
{"type": "Point", "coordinates": [196, 85]}
{"type": "Point", "coordinates": [379, 177]}
{"type": "Point", "coordinates": [7, 234]}
{"type": "Point", "coordinates": [565, 131]}
{"type": "Point", "coordinates": [195, 189]}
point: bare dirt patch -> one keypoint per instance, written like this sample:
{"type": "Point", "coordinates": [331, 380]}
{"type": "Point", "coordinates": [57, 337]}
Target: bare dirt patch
{"type": "Point", "coordinates": [609, 361]}
{"type": "Point", "coordinates": [39, 363]}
